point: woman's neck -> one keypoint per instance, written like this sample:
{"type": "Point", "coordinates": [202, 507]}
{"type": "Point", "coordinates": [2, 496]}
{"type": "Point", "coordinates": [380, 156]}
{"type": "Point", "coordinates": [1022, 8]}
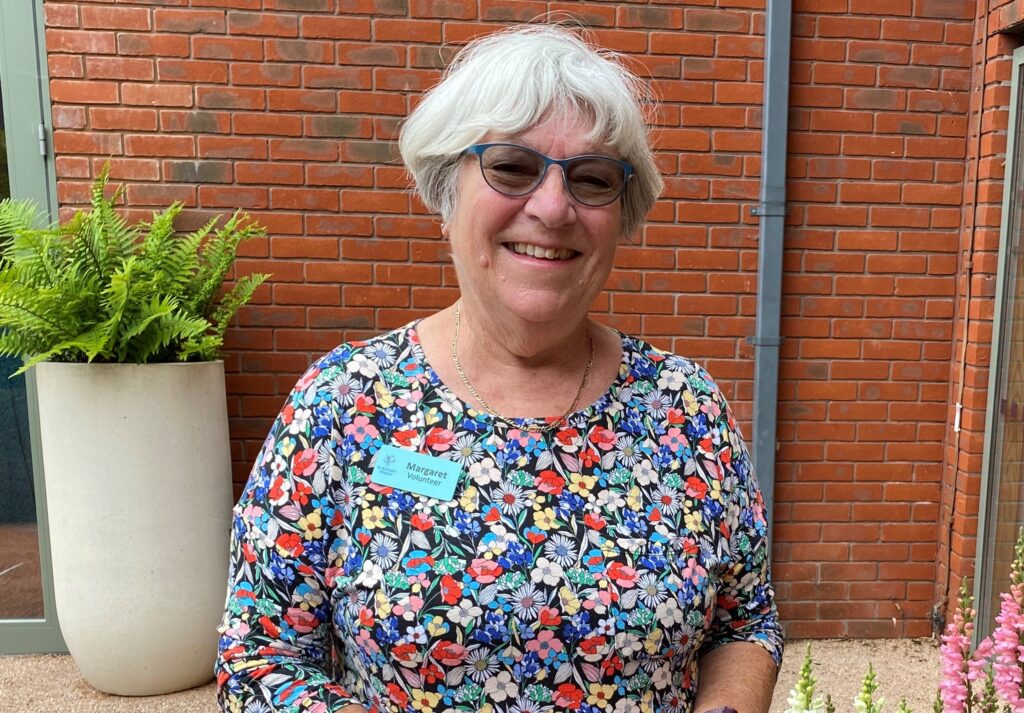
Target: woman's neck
{"type": "Point", "coordinates": [522, 371]}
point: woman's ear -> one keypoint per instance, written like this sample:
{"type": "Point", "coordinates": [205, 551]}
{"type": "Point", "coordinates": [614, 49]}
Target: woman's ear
{"type": "Point", "coordinates": [444, 229]}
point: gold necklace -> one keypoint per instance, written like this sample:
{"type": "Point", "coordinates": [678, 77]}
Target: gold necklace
{"type": "Point", "coordinates": [480, 399]}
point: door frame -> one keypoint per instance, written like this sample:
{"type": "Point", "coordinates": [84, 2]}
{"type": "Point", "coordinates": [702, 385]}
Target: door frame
{"type": "Point", "coordinates": [30, 159]}
{"type": "Point", "coordinates": [985, 578]}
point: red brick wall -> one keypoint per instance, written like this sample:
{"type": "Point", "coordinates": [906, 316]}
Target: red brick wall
{"type": "Point", "coordinates": [289, 109]}
{"type": "Point", "coordinates": [978, 250]}
{"type": "Point", "coordinates": [879, 95]}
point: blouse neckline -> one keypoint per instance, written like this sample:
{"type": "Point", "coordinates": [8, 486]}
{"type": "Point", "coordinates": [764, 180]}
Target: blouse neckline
{"type": "Point", "coordinates": [582, 415]}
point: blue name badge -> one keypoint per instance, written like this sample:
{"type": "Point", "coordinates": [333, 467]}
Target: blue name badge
{"type": "Point", "coordinates": [416, 473]}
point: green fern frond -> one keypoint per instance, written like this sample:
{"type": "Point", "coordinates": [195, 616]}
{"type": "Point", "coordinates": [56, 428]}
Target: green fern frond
{"type": "Point", "coordinates": [97, 288]}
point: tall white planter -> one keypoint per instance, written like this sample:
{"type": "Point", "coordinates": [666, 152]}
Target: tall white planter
{"type": "Point", "coordinates": [138, 490]}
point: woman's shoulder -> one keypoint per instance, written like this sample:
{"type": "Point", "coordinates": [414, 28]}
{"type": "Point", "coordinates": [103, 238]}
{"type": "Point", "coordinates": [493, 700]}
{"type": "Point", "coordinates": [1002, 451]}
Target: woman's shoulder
{"type": "Point", "coordinates": [670, 371]}
{"type": "Point", "coordinates": [365, 359]}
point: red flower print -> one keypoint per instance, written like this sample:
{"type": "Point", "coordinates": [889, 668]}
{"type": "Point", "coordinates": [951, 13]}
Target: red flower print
{"type": "Point", "coordinates": [491, 513]}
{"type": "Point", "coordinates": [304, 462]}
{"type": "Point", "coordinates": [272, 629]}
{"type": "Point", "coordinates": [405, 437]}
{"type": "Point", "coordinates": [484, 571]}
{"type": "Point", "coordinates": [366, 618]}
{"type": "Point", "coordinates": [421, 521]}
{"type": "Point", "coordinates": [448, 653]}
{"type": "Point", "coordinates": [364, 404]}
{"type": "Point", "coordinates": [303, 621]}
{"type": "Point", "coordinates": [302, 493]}
{"type": "Point", "coordinates": [431, 673]}
{"type": "Point", "coordinates": [451, 590]}
{"type": "Point", "coordinates": [569, 696]}
{"type": "Point", "coordinates": [287, 414]}
{"type": "Point", "coordinates": [622, 575]}
{"type": "Point", "coordinates": [548, 481]}
{"type": "Point", "coordinates": [290, 543]}
{"type": "Point", "coordinates": [603, 438]}
{"type": "Point", "coordinates": [549, 616]}
{"type": "Point", "coordinates": [567, 436]}
{"type": "Point", "coordinates": [610, 666]}
{"type": "Point", "coordinates": [439, 439]}
{"type": "Point", "coordinates": [248, 552]}
{"type": "Point", "coordinates": [396, 694]}
{"type": "Point", "coordinates": [594, 522]}
{"type": "Point", "coordinates": [278, 492]}
{"type": "Point", "coordinates": [696, 488]}
{"type": "Point", "coordinates": [405, 653]}
{"type": "Point", "coordinates": [589, 457]}
{"type": "Point", "coordinates": [593, 644]}
{"type": "Point", "coordinates": [675, 416]}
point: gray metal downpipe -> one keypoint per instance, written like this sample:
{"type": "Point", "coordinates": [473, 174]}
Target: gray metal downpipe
{"type": "Point", "coordinates": [772, 211]}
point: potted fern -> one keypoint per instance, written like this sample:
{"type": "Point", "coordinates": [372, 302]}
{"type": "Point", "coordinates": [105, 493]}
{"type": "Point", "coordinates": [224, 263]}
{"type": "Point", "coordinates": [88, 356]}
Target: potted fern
{"type": "Point", "coordinates": [122, 327]}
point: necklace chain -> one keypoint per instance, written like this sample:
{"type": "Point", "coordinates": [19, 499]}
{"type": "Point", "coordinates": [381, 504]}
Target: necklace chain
{"type": "Point", "coordinates": [480, 399]}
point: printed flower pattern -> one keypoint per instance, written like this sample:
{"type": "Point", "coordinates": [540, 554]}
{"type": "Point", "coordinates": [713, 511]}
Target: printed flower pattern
{"type": "Point", "coordinates": [582, 568]}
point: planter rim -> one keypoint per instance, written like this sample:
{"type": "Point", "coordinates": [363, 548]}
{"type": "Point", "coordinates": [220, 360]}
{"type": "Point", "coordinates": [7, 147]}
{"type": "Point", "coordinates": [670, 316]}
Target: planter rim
{"type": "Point", "coordinates": [123, 365]}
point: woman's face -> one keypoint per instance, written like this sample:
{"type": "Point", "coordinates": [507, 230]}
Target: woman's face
{"type": "Point", "coordinates": [491, 234]}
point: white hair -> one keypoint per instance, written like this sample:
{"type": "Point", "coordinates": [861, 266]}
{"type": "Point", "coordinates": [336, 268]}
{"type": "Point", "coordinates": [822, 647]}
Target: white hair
{"type": "Point", "coordinates": [507, 82]}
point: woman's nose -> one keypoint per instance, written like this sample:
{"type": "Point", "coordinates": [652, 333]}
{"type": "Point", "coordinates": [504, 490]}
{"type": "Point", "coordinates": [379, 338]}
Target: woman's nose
{"type": "Point", "coordinates": [550, 202]}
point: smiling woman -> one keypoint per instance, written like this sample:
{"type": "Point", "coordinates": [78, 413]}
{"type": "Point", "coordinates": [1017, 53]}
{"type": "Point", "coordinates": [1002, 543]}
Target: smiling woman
{"type": "Point", "coordinates": [591, 536]}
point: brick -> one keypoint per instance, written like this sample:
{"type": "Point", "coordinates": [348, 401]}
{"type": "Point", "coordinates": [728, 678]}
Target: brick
{"type": "Point", "coordinates": [162, 94]}
{"type": "Point", "coordinates": [700, 20]}
{"type": "Point", "coordinates": [115, 18]}
{"type": "Point", "coordinates": [129, 43]}
{"type": "Point", "coordinates": [118, 118]}
{"type": "Point", "coordinates": [81, 41]}
{"type": "Point", "coordinates": [263, 24]}
{"type": "Point", "coordinates": [191, 21]}
{"type": "Point", "coordinates": [266, 74]}
{"type": "Point", "coordinates": [228, 48]}
{"type": "Point", "coordinates": [204, 71]}
{"type": "Point", "coordinates": [83, 92]}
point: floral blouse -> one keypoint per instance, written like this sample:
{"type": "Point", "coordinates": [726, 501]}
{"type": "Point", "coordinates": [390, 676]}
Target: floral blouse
{"type": "Point", "coordinates": [584, 567]}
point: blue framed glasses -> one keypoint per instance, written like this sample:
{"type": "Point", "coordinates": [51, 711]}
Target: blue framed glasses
{"type": "Point", "coordinates": [515, 170]}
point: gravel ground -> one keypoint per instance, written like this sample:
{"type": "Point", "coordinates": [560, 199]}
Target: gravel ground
{"type": "Point", "coordinates": [907, 668]}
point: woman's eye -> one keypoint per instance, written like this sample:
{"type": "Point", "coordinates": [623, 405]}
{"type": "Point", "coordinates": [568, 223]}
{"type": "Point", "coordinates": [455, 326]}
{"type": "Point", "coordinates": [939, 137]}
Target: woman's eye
{"type": "Point", "coordinates": [511, 168]}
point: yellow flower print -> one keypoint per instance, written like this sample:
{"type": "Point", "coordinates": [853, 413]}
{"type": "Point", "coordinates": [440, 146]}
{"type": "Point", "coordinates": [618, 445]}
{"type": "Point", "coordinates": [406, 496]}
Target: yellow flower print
{"type": "Point", "coordinates": [311, 525]}
{"type": "Point", "coordinates": [373, 517]}
{"type": "Point", "coordinates": [425, 701]}
{"type": "Point", "coordinates": [468, 501]}
{"type": "Point", "coordinates": [601, 694]}
{"type": "Point", "coordinates": [690, 403]}
{"type": "Point", "coordinates": [436, 626]}
{"type": "Point", "coordinates": [653, 642]}
{"type": "Point", "coordinates": [570, 604]}
{"type": "Point", "coordinates": [545, 519]}
{"type": "Point", "coordinates": [383, 604]}
{"type": "Point", "coordinates": [694, 522]}
{"type": "Point", "coordinates": [633, 498]}
{"type": "Point", "coordinates": [433, 416]}
{"type": "Point", "coordinates": [715, 490]}
{"type": "Point", "coordinates": [581, 484]}
{"type": "Point", "coordinates": [608, 549]}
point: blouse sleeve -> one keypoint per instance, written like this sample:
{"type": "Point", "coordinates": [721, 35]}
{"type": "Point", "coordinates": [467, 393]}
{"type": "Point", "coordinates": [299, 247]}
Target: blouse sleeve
{"type": "Point", "coordinates": [275, 645]}
{"type": "Point", "coordinates": [745, 608]}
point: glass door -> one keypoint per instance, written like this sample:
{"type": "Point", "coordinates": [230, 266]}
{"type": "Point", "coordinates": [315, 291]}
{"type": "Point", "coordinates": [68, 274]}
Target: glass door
{"type": "Point", "coordinates": [1002, 495]}
{"type": "Point", "coordinates": [27, 620]}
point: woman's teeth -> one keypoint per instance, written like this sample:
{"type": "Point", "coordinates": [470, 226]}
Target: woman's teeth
{"type": "Point", "coordinates": [542, 253]}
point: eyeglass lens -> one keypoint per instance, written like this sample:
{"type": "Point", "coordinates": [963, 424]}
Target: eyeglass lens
{"type": "Point", "coordinates": [515, 171]}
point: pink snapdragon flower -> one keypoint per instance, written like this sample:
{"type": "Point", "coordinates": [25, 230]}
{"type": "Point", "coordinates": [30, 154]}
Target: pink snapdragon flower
{"type": "Point", "coordinates": [1009, 652]}
{"type": "Point", "coordinates": [955, 684]}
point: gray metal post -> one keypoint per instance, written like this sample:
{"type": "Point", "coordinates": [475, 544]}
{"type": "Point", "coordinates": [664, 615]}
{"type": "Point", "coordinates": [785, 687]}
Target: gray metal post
{"type": "Point", "coordinates": [772, 211]}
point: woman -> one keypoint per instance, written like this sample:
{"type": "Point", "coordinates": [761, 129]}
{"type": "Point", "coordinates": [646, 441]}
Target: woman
{"type": "Point", "coordinates": [506, 506]}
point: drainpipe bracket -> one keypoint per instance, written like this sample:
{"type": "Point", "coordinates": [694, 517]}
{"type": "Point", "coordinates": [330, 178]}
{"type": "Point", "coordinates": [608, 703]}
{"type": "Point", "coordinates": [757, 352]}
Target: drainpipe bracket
{"type": "Point", "coordinates": [769, 209]}
{"type": "Point", "coordinates": [765, 341]}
